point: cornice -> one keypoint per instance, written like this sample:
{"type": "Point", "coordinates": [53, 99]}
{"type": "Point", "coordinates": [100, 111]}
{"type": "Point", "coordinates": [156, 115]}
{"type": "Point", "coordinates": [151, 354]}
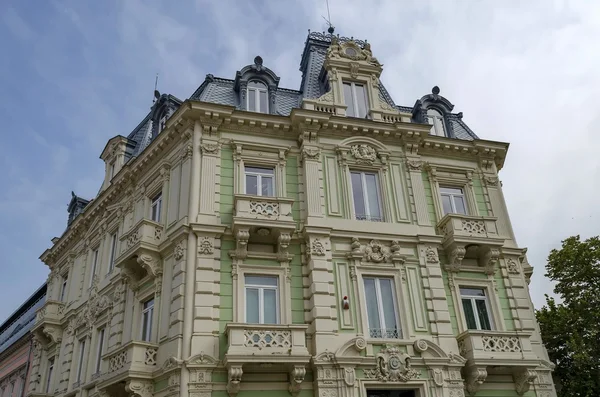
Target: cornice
{"type": "Point", "coordinates": [413, 136]}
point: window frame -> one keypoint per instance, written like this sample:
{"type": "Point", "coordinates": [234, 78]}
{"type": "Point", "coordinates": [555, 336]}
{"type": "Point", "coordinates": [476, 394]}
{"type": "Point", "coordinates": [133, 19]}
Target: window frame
{"type": "Point", "coordinates": [456, 177]}
{"type": "Point", "coordinates": [113, 247]}
{"type": "Point", "coordinates": [101, 335]}
{"type": "Point", "coordinates": [379, 299]}
{"type": "Point", "coordinates": [261, 308]}
{"type": "Point", "coordinates": [81, 360]}
{"type": "Point", "coordinates": [453, 196]}
{"type": "Point", "coordinates": [472, 299]}
{"type": "Point", "coordinates": [355, 106]}
{"type": "Point", "coordinates": [259, 176]}
{"type": "Point", "coordinates": [368, 217]}
{"type": "Point", "coordinates": [260, 156]}
{"type": "Point", "coordinates": [156, 202]}
{"type": "Point", "coordinates": [439, 117]}
{"type": "Point", "coordinates": [94, 264]}
{"type": "Point", "coordinates": [147, 322]}
{"type": "Point", "coordinates": [64, 288]}
{"type": "Point", "coordinates": [494, 307]}
{"type": "Point", "coordinates": [256, 92]}
{"type": "Point", "coordinates": [405, 325]}
{"type": "Point", "coordinates": [49, 374]}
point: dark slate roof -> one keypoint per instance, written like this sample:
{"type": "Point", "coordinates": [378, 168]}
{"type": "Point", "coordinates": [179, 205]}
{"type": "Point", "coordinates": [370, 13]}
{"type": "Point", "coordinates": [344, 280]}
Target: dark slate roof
{"type": "Point", "coordinates": [22, 320]}
{"type": "Point", "coordinates": [226, 92]}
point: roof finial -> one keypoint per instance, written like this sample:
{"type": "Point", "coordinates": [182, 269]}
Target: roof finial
{"type": "Point", "coordinates": [435, 90]}
{"type": "Point", "coordinates": [331, 28]}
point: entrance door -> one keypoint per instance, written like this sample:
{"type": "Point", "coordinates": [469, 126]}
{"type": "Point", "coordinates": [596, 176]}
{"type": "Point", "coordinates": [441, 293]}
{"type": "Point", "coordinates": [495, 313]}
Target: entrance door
{"type": "Point", "coordinates": [391, 393]}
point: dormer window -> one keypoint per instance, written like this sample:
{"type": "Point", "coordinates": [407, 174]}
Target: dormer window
{"type": "Point", "coordinates": [437, 122]}
{"type": "Point", "coordinates": [355, 97]}
{"type": "Point", "coordinates": [257, 97]}
{"type": "Point", "coordinates": [111, 171]}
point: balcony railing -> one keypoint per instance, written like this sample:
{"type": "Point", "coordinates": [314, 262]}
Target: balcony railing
{"type": "Point", "coordinates": [273, 342]}
{"type": "Point", "coordinates": [496, 348]}
{"type": "Point", "coordinates": [263, 208]}
{"type": "Point", "coordinates": [145, 234]}
{"type": "Point", "coordinates": [52, 312]}
{"type": "Point", "coordinates": [134, 357]}
{"type": "Point", "coordinates": [459, 225]}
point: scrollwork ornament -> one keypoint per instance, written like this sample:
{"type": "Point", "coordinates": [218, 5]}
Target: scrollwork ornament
{"type": "Point", "coordinates": [392, 366]}
{"type": "Point", "coordinates": [431, 255]}
{"type": "Point", "coordinates": [317, 248]}
{"type": "Point", "coordinates": [178, 251]}
{"type": "Point", "coordinates": [512, 266]}
{"type": "Point", "coordinates": [364, 153]}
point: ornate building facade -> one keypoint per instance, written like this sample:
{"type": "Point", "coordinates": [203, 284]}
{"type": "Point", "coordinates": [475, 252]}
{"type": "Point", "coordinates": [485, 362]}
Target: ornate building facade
{"type": "Point", "coordinates": [16, 346]}
{"type": "Point", "coordinates": [257, 240]}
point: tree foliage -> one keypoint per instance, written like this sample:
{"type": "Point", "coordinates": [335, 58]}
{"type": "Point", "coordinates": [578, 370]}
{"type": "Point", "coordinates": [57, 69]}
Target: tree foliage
{"type": "Point", "coordinates": [570, 329]}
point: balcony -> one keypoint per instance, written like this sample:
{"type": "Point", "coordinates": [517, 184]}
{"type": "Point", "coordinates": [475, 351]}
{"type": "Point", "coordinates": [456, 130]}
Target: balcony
{"type": "Point", "coordinates": [252, 346]}
{"type": "Point", "coordinates": [500, 352]}
{"type": "Point", "coordinates": [132, 360]}
{"type": "Point", "coordinates": [139, 250]}
{"type": "Point", "coordinates": [470, 237]}
{"type": "Point", "coordinates": [263, 211]}
{"type": "Point", "coordinates": [48, 319]}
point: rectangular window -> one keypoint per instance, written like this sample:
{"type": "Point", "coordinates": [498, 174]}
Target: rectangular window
{"type": "Point", "coordinates": [113, 251]}
{"type": "Point", "coordinates": [147, 314]}
{"type": "Point", "coordinates": [100, 350]}
{"type": "Point", "coordinates": [63, 288]}
{"type": "Point", "coordinates": [260, 181]}
{"type": "Point", "coordinates": [111, 171]}
{"type": "Point", "coordinates": [453, 200]}
{"type": "Point", "coordinates": [94, 265]}
{"type": "Point", "coordinates": [355, 97]}
{"type": "Point", "coordinates": [49, 375]}
{"type": "Point", "coordinates": [258, 97]}
{"type": "Point", "coordinates": [81, 358]}
{"type": "Point", "coordinates": [262, 303]}
{"type": "Point", "coordinates": [381, 308]}
{"type": "Point", "coordinates": [156, 207]}
{"type": "Point", "coordinates": [476, 307]}
{"type": "Point", "coordinates": [365, 192]}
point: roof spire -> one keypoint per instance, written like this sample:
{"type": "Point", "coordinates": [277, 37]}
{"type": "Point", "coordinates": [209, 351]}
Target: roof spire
{"type": "Point", "coordinates": [156, 93]}
{"type": "Point", "coordinates": [331, 28]}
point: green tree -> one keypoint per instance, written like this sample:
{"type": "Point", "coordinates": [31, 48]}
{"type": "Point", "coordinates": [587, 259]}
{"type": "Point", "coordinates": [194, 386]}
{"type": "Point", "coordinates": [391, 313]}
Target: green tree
{"type": "Point", "coordinates": [570, 329]}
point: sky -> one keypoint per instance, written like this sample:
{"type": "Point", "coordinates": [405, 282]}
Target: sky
{"type": "Point", "coordinates": [74, 74]}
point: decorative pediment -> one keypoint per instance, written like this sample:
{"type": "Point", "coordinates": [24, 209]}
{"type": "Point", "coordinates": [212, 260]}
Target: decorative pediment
{"type": "Point", "coordinates": [362, 150]}
{"type": "Point", "coordinates": [202, 359]}
{"type": "Point", "coordinates": [352, 51]}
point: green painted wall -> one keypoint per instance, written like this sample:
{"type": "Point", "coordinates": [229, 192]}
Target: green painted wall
{"type": "Point", "coordinates": [451, 308]}
{"type": "Point", "coordinates": [351, 298]}
{"type": "Point", "coordinates": [226, 203]}
{"type": "Point", "coordinates": [292, 181]}
{"type": "Point", "coordinates": [429, 198]}
{"type": "Point", "coordinates": [509, 321]}
{"type": "Point", "coordinates": [479, 197]}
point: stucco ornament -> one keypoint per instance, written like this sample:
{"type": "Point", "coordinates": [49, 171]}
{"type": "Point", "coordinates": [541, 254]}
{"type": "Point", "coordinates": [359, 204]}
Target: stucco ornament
{"type": "Point", "coordinates": [512, 266]}
{"type": "Point", "coordinates": [178, 251]}
{"type": "Point", "coordinates": [431, 255]}
{"type": "Point", "coordinates": [206, 246]}
{"type": "Point", "coordinates": [317, 248]}
{"type": "Point", "coordinates": [363, 153]}
{"type": "Point", "coordinates": [376, 252]}
{"type": "Point", "coordinates": [392, 366]}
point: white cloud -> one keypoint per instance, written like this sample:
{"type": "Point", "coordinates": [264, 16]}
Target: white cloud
{"type": "Point", "coordinates": [522, 72]}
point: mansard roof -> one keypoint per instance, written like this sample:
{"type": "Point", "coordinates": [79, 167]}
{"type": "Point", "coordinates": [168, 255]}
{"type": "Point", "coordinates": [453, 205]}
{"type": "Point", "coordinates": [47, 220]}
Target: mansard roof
{"type": "Point", "coordinates": [227, 92]}
{"type": "Point", "coordinates": [22, 320]}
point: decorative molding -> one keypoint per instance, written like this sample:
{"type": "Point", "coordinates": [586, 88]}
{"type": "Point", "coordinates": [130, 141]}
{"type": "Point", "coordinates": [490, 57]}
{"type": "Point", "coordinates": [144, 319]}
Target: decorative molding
{"type": "Point", "coordinates": [392, 366]}
{"type": "Point", "coordinates": [234, 375]}
{"type": "Point", "coordinates": [364, 153]}
{"type": "Point", "coordinates": [524, 378]}
{"type": "Point", "coordinates": [310, 153]}
{"type": "Point", "coordinates": [297, 374]}
{"type": "Point", "coordinates": [375, 252]}
{"type": "Point", "coordinates": [317, 248]}
{"type": "Point", "coordinates": [414, 165]}
{"type": "Point", "coordinates": [178, 251]}
{"type": "Point", "coordinates": [210, 148]}
{"type": "Point", "coordinates": [205, 246]}
{"type": "Point", "coordinates": [512, 266]}
{"type": "Point", "coordinates": [431, 255]}
{"type": "Point", "coordinates": [475, 376]}
{"type": "Point", "coordinates": [140, 388]}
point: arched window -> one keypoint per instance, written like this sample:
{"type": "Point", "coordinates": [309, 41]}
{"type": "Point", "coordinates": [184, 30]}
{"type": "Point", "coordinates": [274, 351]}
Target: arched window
{"type": "Point", "coordinates": [436, 119]}
{"type": "Point", "coordinates": [258, 97]}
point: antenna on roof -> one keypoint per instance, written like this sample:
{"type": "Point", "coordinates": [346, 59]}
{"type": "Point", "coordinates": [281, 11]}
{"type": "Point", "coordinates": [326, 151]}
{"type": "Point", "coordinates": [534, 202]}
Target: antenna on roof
{"type": "Point", "coordinates": [156, 93]}
{"type": "Point", "coordinates": [328, 19]}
